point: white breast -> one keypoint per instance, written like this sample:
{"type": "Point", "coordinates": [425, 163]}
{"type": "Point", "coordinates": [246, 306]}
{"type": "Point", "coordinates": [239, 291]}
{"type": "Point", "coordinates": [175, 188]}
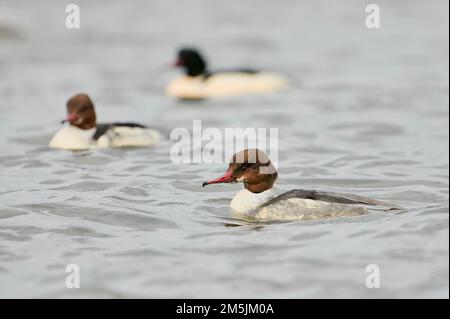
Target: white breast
{"type": "Point", "coordinates": [244, 202]}
{"type": "Point", "coordinates": [73, 138]}
{"type": "Point", "coordinates": [225, 84]}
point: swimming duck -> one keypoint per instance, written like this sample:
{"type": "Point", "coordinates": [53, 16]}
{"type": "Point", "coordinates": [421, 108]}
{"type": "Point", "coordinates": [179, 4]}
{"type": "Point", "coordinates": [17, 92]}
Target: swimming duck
{"type": "Point", "coordinates": [84, 133]}
{"type": "Point", "coordinates": [258, 200]}
{"type": "Point", "coordinates": [200, 83]}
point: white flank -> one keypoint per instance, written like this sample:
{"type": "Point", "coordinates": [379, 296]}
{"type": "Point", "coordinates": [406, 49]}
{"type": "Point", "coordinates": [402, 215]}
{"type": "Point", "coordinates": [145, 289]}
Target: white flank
{"type": "Point", "coordinates": [225, 84]}
{"type": "Point", "coordinates": [307, 209]}
{"type": "Point", "coordinates": [123, 136]}
{"type": "Point", "coordinates": [73, 138]}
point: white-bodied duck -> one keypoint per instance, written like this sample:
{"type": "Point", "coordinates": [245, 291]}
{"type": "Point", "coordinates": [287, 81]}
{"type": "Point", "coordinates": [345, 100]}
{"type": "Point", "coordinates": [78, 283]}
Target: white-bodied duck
{"type": "Point", "coordinates": [83, 132]}
{"type": "Point", "coordinates": [199, 82]}
{"type": "Point", "coordinates": [258, 200]}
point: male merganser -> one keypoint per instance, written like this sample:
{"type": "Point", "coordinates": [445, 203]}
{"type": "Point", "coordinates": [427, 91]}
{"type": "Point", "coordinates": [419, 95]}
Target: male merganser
{"type": "Point", "coordinates": [258, 199]}
{"type": "Point", "coordinates": [199, 82]}
{"type": "Point", "coordinates": [83, 132]}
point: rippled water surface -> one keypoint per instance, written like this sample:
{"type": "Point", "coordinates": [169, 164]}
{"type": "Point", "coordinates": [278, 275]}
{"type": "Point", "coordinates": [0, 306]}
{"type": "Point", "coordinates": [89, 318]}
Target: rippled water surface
{"type": "Point", "coordinates": [367, 113]}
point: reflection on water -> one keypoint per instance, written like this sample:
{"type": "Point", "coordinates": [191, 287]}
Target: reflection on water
{"type": "Point", "coordinates": [367, 114]}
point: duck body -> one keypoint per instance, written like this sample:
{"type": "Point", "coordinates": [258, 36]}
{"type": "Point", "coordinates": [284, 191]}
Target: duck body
{"type": "Point", "coordinates": [221, 84]}
{"type": "Point", "coordinates": [104, 136]}
{"type": "Point", "coordinates": [199, 83]}
{"type": "Point", "coordinates": [301, 204]}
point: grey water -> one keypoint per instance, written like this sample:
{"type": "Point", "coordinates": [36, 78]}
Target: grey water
{"type": "Point", "coordinates": [367, 113]}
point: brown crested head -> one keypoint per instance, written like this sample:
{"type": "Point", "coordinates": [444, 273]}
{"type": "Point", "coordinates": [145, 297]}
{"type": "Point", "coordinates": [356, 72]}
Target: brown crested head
{"type": "Point", "coordinates": [251, 167]}
{"type": "Point", "coordinates": [80, 112]}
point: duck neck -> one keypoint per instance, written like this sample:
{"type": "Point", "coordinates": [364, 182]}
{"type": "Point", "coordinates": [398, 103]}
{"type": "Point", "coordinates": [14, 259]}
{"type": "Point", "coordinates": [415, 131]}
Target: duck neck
{"type": "Point", "coordinates": [261, 183]}
{"type": "Point", "coordinates": [259, 187]}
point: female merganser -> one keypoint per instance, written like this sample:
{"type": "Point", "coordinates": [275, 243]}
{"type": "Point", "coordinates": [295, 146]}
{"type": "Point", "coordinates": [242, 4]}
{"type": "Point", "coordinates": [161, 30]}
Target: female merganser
{"type": "Point", "coordinates": [199, 82]}
{"type": "Point", "coordinates": [83, 132]}
{"type": "Point", "coordinates": [258, 200]}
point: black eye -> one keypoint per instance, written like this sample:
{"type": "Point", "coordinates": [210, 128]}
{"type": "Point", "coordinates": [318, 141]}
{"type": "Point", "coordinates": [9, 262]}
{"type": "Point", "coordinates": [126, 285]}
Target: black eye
{"type": "Point", "coordinates": [244, 166]}
{"type": "Point", "coordinates": [83, 109]}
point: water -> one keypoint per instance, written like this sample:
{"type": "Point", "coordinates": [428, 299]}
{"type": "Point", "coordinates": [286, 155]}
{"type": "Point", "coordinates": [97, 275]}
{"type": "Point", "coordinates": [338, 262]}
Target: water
{"type": "Point", "coordinates": [367, 114]}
